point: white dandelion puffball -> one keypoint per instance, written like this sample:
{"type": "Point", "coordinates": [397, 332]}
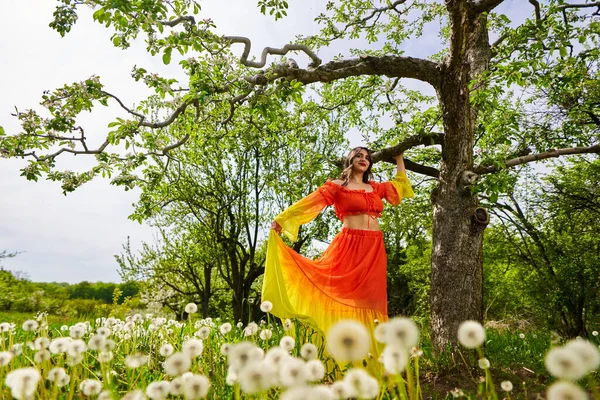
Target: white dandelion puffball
{"type": "Point", "coordinates": [257, 378]}
{"type": "Point", "coordinates": [316, 370]}
{"type": "Point", "coordinates": [77, 331]}
{"type": "Point", "coordinates": [5, 357]}
{"type": "Point", "coordinates": [104, 395]}
{"type": "Point", "coordinates": [64, 381]}
{"type": "Point", "coordinates": [158, 390]}
{"type": "Point", "coordinates": [195, 387]}
{"type": "Point", "coordinates": [522, 335]}
{"type": "Point", "coordinates": [401, 331]}
{"type": "Point", "coordinates": [97, 342]}
{"type": "Point", "coordinates": [23, 382]}
{"type": "Point", "coordinates": [293, 372]}
{"type": "Point", "coordinates": [134, 395]}
{"type": "Point", "coordinates": [30, 325]}
{"type": "Point", "coordinates": [394, 359]}
{"type": "Point", "coordinates": [265, 334]}
{"type": "Point", "coordinates": [242, 354]}
{"type": "Point", "coordinates": [177, 364]}
{"type": "Point", "coordinates": [166, 350]}
{"type": "Point", "coordinates": [76, 347]}
{"type": "Point", "coordinates": [225, 328]}
{"type": "Point", "coordinates": [287, 343]}
{"type": "Point", "coordinates": [379, 332]}
{"type": "Point", "coordinates": [348, 341]}
{"type": "Point", "coordinates": [321, 392]}
{"type": "Point", "coordinates": [297, 393]}
{"type": "Point", "coordinates": [308, 351]}
{"type": "Point", "coordinates": [90, 387]}
{"type": "Point", "coordinates": [193, 347]}
{"type": "Point", "coordinates": [191, 308]}
{"type": "Point", "coordinates": [471, 334]}
{"type": "Point", "coordinates": [340, 390]}
{"type": "Point", "coordinates": [176, 386]}
{"type": "Point", "coordinates": [507, 386]}
{"type": "Point", "coordinates": [266, 306]}
{"type": "Point", "coordinates": [562, 390]}
{"type": "Point", "coordinates": [135, 360]}
{"type": "Point", "coordinates": [251, 329]}
{"type": "Point", "coordinates": [287, 324]}
{"type": "Point", "coordinates": [595, 333]}
{"type": "Point", "coordinates": [41, 343]}
{"type": "Point", "coordinates": [203, 333]}
{"type": "Point", "coordinates": [60, 345]}
{"type": "Point", "coordinates": [104, 331]}
{"type": "Point", "coordinates": [565, 363]}
{"type": "Point", "coordinates": [361, 384]}
{"type": "Point", "coordinates": [484, 363]}
{"type": "Point", "coordinates": [56, 374]}
{"type": "Point", "coordinates": [225, 347]}
{"type": "Point", "coordinates": [41, 356]}
{"type": "Point", "coordinates": [277, 356]}
{"type": "Point", "coordinates": [588, 353]}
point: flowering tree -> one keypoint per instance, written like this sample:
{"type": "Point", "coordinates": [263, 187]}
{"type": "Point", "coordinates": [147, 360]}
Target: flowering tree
{"type": "Point", "coordinates": [479, 130]}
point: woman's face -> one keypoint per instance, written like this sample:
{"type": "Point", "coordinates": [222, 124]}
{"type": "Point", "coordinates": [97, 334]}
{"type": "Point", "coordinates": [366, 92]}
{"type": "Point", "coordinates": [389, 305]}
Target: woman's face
{"type": "Point", "coordinates": [361, 161]}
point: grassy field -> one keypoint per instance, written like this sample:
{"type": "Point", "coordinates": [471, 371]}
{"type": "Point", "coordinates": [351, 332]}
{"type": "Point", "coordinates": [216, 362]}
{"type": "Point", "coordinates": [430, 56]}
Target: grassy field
{"type": "Point", "coordinates": [109, 358]}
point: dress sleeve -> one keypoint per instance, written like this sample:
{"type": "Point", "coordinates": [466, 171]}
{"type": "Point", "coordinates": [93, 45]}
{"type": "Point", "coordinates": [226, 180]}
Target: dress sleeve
{"type": "Point", "coordinates": [396, 189]}
{"type": "Point", "coordinates": [305, 210]}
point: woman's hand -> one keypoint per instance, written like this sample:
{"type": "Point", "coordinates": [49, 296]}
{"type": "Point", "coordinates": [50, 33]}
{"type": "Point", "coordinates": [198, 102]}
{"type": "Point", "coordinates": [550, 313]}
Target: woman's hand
{"type": "Point", "coordinates": [276, 227]}
{"type": "Point", "coordinates": [399, 157]}
{"type": "Point", "coordinates": [400, 163]}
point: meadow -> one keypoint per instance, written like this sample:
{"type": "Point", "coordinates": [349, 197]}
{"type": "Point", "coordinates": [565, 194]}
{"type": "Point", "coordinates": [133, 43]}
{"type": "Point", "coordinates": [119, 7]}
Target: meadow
{"type": "Point", "coordinates": [146, 356]}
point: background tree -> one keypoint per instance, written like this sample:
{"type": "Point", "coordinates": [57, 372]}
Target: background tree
{"type": "Point", "coordinates": [475, 111]}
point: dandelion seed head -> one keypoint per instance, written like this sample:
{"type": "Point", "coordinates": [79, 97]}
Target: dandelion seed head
{"type": "Point", "coordinates": [193, 347]}
{"type": "Point", "coordinates": [166, 350]}
{"type": "Point", "coordinates": [135, 395]}
{"type": "Point", "coordinates": [507, 386]}
{"type": "Point", "coordinates": [75, 359]}
{"type": "Point", "coordinates": [195, 387]}
{"type": "Point", "coordinates": [589, 354]}
{"type": "Point", "coordinates": [563, 390]}
{"type": "Point", "coordinates": [56, 374]}
{"type": "Point", "coordinates": [158, 390]}
{"type": "Point", "coordinates": [97, 342]}
{"type": "Point", "coordinates": [77, 331]}
{"type": "Point", "coordinates": [316, 370]}
{"type": "Point", "coordinates": [287, 324]}
{"type": "Point", "coordinates": [64, 381]}
{"type": "Point", "coordinates": [5, 327]}
{"type": "Point", "coordinates": [277, 356]}
{"type": "Point", "coordinates": [5, 357]}
{"type": "Point", "coordinates": [379, 332]}
{"type": "Point", "coordinates": [257, 378]}
{"type": "Point", "coordinates": [23, 382]}
{"type": "Point", "coordinates": [484, 363]}
{"type": "Point", "coordinates": [239, 325]}
{"type": "Point", "coordinates": [76, 347]}
{"type": "Point", "coordinates": [266, 306]}
{"type": "Point", "coordinates": [348, 341]}
{"type": "Point", "coordinates": [471, 334]}
{"type": "Point", "coordinates": [17, 349]}
{"type": "Point", "coordinates": [308, 351]}
{"type": "Point", "coordinates": [104, 331]}
{"type": "Point", "coordinates": [177, 364]}
{"type": "Point", "coordinates": [41, 356]}
{"type": "Point", "coordinates": [191, 308]}
{"type": "Point", "coordinates": [361, 384]}
{"type": "Point", "coordinates": [225, 328]}
{"type": "Point", "coordinates": [340, 390]}
{"type": "Point", "coordinates": [595, 333]}
{"type": "Point", "coordinates": [225, 348]}
{"type": "Point", "coordinates": [251, 329]}
{"type": "Point", "coordinates": [90, 387]}
{"type": "Point", "coordinates": [394, 359]}
{"type": "Point", "coordinates": [521, 335]}
{"type": "Point", "coordinates": [293, 372]}
{"type": "Point", "coordinates": [136, 360]}
{"type": "Point", "coordinates": [321, 392]}
{"type": "Point", "coordinates": [30, 325]}
{"type": "Point", "coordinates": [297, 393]}
{"type": "Point", "coordinates": [265, 334]}
{"type": "Point", "coordinates": [287, 343]}
{"type": "Point", "coordinates": [104, 395]}
{"type": "Point", "coordinates": [231, 378]}
{"type": "Point", "coordinates": [401, 331]}
{"type": "Point", "coordinates": [41, 343]}
{"type": "Point", "coordinates": [176, 387]}
{"type": "Point", "coordinates": [565, 363]}
{"type": "Point", "coordinates": [60, 345]}
{"type": "Point", "coordinates": [203, 333]}
{"type": "Point", "coordinates": [243, 354]}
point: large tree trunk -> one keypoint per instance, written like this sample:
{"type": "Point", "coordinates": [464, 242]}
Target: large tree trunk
{"type": "Point", "coordinates": [458, 225]}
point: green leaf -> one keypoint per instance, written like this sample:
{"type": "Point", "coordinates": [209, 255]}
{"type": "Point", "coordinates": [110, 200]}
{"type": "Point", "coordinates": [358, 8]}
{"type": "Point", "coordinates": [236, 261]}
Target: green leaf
{"type": "Point", "coordinates": [167, 56]}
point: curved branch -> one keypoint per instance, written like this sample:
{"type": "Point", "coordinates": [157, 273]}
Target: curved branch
{"type": "Point", "coordinates": [316, 61]}
{"type": "Point", "coordinates": [185, 18]}
{"type": "Point", "coordinates": [488, 169]}
{"type": "Point", "coordinates": [390, 66]}
{"type": "Point", "coordinates": [486, 5]}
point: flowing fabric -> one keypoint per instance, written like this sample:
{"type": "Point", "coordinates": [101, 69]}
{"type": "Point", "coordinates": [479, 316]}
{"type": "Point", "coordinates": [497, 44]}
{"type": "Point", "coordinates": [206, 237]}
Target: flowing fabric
{"type": "Point", "coordinates": [348, 281]}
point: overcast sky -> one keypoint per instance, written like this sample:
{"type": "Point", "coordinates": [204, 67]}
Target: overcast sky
{"type": "Point", "coordinates": [73, 238]}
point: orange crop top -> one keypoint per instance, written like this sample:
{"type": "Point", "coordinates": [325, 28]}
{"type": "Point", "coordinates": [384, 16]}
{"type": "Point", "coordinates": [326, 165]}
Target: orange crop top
{"type": "Point", "coordinates": [346, 202]}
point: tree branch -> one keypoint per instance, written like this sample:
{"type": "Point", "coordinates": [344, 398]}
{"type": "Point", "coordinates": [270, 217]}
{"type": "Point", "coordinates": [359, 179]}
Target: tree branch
{"type": "Point", "coordinates": [483, 169]}
{"type": "Point", "coordinates": [185, 18]}
{"type": "Point", "coordinates": [316, 61]}
{"type": "Point", "coordinates": [486, 5]}
{"type": "Point", "coordinates": [390, 66]}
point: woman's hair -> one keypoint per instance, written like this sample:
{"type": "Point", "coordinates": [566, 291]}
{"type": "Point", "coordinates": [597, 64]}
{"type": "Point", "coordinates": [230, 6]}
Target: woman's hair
{"type": "Point", "coordinates": [348, 171]}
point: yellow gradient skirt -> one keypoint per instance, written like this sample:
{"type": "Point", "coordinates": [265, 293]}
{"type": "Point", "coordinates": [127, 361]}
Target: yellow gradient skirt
{"type": "Point", "coordinates": [348, 281]}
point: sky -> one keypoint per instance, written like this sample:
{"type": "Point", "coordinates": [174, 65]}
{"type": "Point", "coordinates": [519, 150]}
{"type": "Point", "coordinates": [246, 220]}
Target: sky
{"type": "Point", "coordinates": [75, 237]}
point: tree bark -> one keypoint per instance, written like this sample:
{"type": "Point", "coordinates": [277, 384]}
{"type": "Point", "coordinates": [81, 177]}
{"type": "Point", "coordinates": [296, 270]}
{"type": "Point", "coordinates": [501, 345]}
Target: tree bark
{"type": "Point", "coordinates": [458, 223]}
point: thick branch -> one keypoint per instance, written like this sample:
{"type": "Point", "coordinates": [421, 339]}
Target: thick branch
{"type": "Point", "coordinates": [185, 18]}
{"type": "Point", "coordinates": [316, 61]}
{"type": "Point", "coordinates": [486, 5]}
{"type": "Point", "coordinates": [390, 66]}
{"type": "Point", "coordinates": [483, 169]}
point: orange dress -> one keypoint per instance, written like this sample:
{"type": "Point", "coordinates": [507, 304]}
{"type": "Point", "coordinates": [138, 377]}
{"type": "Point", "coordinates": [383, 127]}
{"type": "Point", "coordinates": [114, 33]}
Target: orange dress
{"type": "Point", "coordinates": [348, 281]}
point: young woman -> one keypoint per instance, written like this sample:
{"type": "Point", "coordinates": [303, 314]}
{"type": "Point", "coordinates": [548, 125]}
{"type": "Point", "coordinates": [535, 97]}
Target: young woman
{"type": "Point", "coordinates": [349, 280]}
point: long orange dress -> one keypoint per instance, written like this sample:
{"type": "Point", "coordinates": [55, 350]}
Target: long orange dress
{"type": "Point", "coordinates": [348, 281]}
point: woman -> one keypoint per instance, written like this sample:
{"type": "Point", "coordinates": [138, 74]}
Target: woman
{"type": "Point", "coordinates": [349, 280]}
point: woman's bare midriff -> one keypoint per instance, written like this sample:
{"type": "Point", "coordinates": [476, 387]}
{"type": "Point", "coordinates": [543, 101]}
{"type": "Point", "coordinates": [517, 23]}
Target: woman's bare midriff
{"type": "Point", "coordinates": [361, 221]}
